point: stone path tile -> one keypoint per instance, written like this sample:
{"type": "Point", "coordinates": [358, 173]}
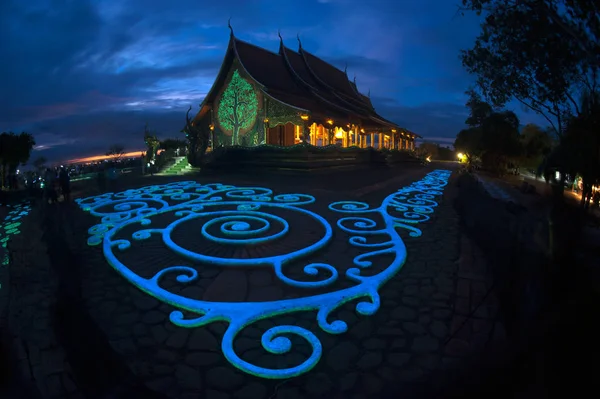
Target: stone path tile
{"type": "Point", "coordinates": [494, 190]}
{"type": "Point", "coordinates": [41, 362]}
{"type": "Point", "coordinates": [400, 344]}
{"type": "Point", "coordinates": [476, 307]}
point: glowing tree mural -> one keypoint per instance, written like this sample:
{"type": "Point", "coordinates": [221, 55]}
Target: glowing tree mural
{"type": "Point", "coordinates": [238, 108]}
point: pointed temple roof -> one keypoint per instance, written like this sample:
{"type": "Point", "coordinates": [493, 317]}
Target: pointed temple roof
{"type": "Point", "coordinates": [308, 83]}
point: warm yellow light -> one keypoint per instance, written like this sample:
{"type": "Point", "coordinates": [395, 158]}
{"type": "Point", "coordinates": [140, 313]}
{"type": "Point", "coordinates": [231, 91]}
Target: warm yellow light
{"type": "Point", "coordinates": [393, 130]}
{"type": "Point", "coordinates": [339, 133]}
{"type": "Point", "coordinates": [362, 130]}
{"type": "Point", "coordinates": [304, 117]}
{"type": "Point", "coordinates": [460, 155]}
{"type": "Point", "coordinates": [133, 154]}
{"type": "Point", "coordinates": [212, 127]}
{"type": "Point", "coordinates": [266, 120]}
{"type": "Point", "coordinates": [330, 121]}
{"type": "Point", "coordinates": [428, 159]}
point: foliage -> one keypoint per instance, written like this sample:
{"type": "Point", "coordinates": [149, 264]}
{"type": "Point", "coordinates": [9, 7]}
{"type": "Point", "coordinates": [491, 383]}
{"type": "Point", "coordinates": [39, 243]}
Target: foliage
{"type": "Point", "coordinates": [446, 154]}
{"type": "Point", "coordinates": [428, 150]}
{"type": "Point", "coordinates": [116, 151]}
{"type": "Point", "coordinates": [539, 52]}
{"type": "Point", "coordinates": [479, 110]}
{"type": "Point", "coordinates": [536, 145]}
{"type": "Point", "coordinates": [152, 143]}
{"type": "Point", "coordinates": [15, 149]}
{"type": "Point", "coordinates": [468, 142]}
{"type": "Point", "coordinates": [435, 152]}
{"type": "Point", "coordinates": [40, 163]}
{"type": "Point", "coordinates": [198, 136]}
{"type": "Point", "coordinates": [578, 152]}
{"type": "Point", "coordinates": [493, 136]}
{"type": "Point", "coordinates": [172, 144]}
{"type": "Point", "coordinates": [237, 108]}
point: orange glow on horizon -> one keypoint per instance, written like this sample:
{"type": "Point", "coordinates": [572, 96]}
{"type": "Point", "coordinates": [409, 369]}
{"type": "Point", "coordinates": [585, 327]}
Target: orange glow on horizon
{"type": "Point", "coordinates": [96, 158]}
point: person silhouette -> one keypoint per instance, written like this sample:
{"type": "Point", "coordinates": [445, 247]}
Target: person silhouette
{"type": "Point", "coordinates": [65, 184]}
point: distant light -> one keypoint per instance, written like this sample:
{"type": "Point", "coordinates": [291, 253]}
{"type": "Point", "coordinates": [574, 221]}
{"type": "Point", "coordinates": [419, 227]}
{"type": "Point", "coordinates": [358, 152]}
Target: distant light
{"type": "Point", "coordinates": [460, 155]}
{"type": "Point", "coordinates": [557, 175]}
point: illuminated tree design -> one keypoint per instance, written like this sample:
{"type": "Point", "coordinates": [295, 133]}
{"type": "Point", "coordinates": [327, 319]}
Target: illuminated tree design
{"type": "Point", "coordinates": [238, 108]}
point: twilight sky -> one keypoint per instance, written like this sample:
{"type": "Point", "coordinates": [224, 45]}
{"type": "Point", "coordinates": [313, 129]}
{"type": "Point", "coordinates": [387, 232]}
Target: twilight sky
{"type": "Point", "coordinates": [81, 75]}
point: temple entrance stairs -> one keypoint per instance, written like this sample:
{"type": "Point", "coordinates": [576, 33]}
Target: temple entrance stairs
{"type": "Point", "coordinates": [181, 166]}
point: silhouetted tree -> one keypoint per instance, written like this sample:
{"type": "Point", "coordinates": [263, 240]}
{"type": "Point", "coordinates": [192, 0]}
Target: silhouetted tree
{"type": "Point", "coordinates": [172, 144]}
{"type": "Point", "coordinates": [151, 142]}
{"type": "Point", "coordinates": [198, 136]}
{"type": "Point", "coordinates": [116, 151]}
{"type": "Point", "coordinates": [39, 164]}
{"type": "Point", "coordinates": [538, 52]}
{"type": "Point", "coordinates": [428, 150]}
{"type": "Point", "coordinates": [536, 144]}
{"type": "Point", "coordinates": [15, 149]}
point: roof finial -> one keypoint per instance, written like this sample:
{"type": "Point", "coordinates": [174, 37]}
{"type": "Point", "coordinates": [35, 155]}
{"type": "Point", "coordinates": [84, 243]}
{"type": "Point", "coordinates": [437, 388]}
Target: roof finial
{"type": "Point", "coordinates": [279, 34]}
{"type": "Point", "coordinates": [346, 68]}
{"type": "Point", "coordinates": [299, 42]}
{"type": "Point", "coordinates": [229, 25]}
{"type": "Point", "coordinates": [354, 77]}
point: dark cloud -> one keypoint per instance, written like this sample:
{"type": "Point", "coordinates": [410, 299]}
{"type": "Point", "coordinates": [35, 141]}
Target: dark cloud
{"type": "Point", "coordinates": [439, 120]}
{"type": "Point", "coordinates": [83, 74]}
{"type": "Point", "coordinates": [126, 128]}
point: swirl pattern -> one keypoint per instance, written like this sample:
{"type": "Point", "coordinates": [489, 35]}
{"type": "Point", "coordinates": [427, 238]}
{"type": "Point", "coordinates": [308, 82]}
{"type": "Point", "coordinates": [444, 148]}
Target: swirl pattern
{"type": "Point", "coordinates": [234, 216]}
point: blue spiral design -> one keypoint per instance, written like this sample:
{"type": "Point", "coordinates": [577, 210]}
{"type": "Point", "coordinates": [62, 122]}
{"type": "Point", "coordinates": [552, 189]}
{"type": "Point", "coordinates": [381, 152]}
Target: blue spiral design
{"type": "Point", "coordinates": [252, 222]}
{"type": "Point", "coordinates": [237, 230]}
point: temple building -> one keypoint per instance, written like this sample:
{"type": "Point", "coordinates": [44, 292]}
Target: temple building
{"type": "Point", "coordinates": [289, 97]}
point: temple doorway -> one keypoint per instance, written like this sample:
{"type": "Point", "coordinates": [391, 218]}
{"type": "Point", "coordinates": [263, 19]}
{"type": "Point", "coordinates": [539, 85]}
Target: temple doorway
{"type": "Point", "coordinates": [282, 135]}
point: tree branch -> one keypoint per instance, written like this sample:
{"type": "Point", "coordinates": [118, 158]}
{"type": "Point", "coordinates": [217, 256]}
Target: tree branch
{"type": "Point", "coordinates": [539, 111]}
{"type": "Point", "coordinates": [573, 102]}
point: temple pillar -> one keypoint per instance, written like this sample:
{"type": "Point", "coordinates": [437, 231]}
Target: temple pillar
{"type": "Point", "coordinates": [305, 132]}
{"type": "Point", "coordinates": [373, 140]}
{"type": "Point", "coordinates": [412, 144]}
{"type": "Point", "coordinates": [266, 133]}
{"type": "Point", "coordinates": [380, 140]}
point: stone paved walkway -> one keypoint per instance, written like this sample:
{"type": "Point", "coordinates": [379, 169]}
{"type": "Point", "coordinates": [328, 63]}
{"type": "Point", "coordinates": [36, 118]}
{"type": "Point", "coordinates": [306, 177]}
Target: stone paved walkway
{"type": "Point", "coordinates": [433, 313]}
{"type": "Point", "coordinates": [39, 360]}
{"type": "Point", "coordinates": [401, 343]}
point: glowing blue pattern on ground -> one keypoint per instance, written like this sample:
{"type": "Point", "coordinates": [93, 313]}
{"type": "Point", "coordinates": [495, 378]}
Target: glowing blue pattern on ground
{"type": "Point", "coordinates": [10, 227]}
{"type": "Point", "coordinates": [247, 224]}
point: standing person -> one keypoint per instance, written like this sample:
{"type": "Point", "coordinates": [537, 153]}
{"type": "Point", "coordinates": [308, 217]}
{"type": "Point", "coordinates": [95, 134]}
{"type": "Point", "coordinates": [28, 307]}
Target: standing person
{"type": "Point", "coordinates": [65, 184]}
{"type": "Point", "coordinates": [49, 186]}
